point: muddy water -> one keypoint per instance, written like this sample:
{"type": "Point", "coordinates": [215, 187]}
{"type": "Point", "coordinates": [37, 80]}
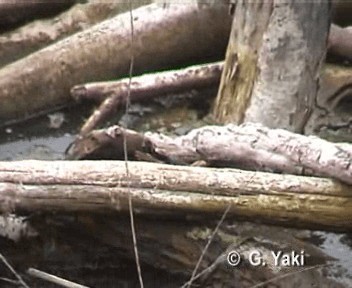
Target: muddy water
{"type": "Point", "coordinates": [41, 139]}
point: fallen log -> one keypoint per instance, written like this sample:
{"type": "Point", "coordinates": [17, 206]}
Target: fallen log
{"type": "Point", "coordinates": [248, 146]}
{"type": "Point", "coordinates": [173, 192]}
{"type": "Point", "coordinates": [143, 88]}
{"type": "Point", "coordinates": [33, 36]}
{"type": "Point", "coordinates": [177, 34]}
{"type": "Point", "coordinates": [335, 86]}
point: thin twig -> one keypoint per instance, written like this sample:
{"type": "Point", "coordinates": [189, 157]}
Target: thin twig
{"type": "Point", "coordinates": [54, 279]}
{"type": "Point", "coordinates": [14, 282]}
{"type": "Point", "coordinates": [19, 278]}
{"type": "Point", "coordinates": [130, 204]}
{"type": "Point", "coordinates": [207, 270]}
{"type": "Point", "coordinates": [208, 244]}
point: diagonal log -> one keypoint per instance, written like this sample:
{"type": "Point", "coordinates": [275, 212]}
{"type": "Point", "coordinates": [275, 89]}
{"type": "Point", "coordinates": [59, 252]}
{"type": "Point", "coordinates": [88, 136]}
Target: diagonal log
{"type": "Point", "coordinates": [38, 34]}
{"type": "Point", "coordinates": [176, 33]}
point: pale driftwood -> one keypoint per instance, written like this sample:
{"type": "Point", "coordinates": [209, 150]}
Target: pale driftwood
{"type": "Point", "coordinates": [143, 88]}
{"type": "Point", "coordinates": [174, 191]}
{"type": "Point", "coordinates": [248, 146]}
{"type": "Point", "coordinates": [53, 279]}
{"type": "Point", "coordinates": [176, 33]}
{"type": "Point", "coordinates": [31, 37]}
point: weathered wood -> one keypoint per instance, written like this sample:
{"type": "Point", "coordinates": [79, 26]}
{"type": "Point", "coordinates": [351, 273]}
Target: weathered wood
{"type": "Point", "coordinates": [259, 82]}
{"type": "Point", "coordinates": [241, 60]}
{"type": "Point", "coordinates": [33, 36]}
{"type": "Point", "coordinates": [44, 78]}
{"type": "Point", "coordinates": [174, 191]}
{"type": "Point", "coordinates": [143, 88]}
{"type": "Point", "coordinates": [248, 146]}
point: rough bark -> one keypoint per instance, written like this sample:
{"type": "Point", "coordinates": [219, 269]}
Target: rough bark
{"type": "Point", "coordinates": [249, 23]}
{"type": "Point", "coordinates": [175, 33]}
{"type": "Point", "coordinates": [259, 81]}
{"type": "Point", "coordinates": [174, 191]}
{"type": "Point", "coordinates": [27, 39]}
{"type": "Point", "coordinates": [248, 146]}
{"type": "Point", "coordinates": [143, 88]}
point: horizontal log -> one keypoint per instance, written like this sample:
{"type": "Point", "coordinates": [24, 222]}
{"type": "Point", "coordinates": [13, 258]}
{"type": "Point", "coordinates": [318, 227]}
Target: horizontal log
{"type": "Point", "coordinates": [247, 146]}
{"type": "Point", "coordinates": [174, 191]}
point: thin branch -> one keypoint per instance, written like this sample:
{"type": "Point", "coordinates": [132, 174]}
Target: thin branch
{"type": "Point", "coordinates": [53, 279]}
{"type": "Point", "coordinates": [130, 204]}
{"type": "Point", "coordinates": [207, 245]}
{"type": "Point", "coordinates": [19, 278]}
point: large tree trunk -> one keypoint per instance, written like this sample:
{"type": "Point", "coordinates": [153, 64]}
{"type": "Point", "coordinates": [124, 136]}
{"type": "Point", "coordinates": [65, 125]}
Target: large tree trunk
{"type": "Point", "coordinates": [272, 63]}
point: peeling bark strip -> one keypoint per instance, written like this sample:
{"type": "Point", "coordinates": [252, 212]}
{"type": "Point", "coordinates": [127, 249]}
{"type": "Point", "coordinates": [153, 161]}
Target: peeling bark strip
{"type": "Point", "coordinates": [279, 47]}
{"type": "Point", "coordinates": [143, 88]}
{"type": "Point", "coordinates": [23, 41]}
{"type": "Point", "coordinates": [164, 36]}
{"type": "Point", "coordinates": [173, 191]}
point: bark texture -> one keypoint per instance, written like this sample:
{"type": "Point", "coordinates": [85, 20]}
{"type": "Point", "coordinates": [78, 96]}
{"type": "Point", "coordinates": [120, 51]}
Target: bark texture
{"type": "Point", "coordinates": [248, 146]}
{"type": "Point", "coordinates": [240, 71]}
{"type": "Point", "coordinates": [174, 191]}
{"type": "Point", "coordinates": [279, 47]}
